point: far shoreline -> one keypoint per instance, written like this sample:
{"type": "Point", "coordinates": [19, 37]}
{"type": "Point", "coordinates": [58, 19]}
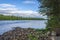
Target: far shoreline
{"type": "Point", "coordinates": [2, 17]}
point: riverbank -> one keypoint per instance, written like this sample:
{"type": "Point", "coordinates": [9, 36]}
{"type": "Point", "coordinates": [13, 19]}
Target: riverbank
{"type": "Point", "coordinates": [22, 34]}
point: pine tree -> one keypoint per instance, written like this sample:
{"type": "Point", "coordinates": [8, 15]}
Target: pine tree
{"type": "Point", "coordinates": [51, 8]}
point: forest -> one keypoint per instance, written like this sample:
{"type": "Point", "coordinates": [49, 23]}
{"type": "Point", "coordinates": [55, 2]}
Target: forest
{"type": "Point", "coordinates": [2, 17]}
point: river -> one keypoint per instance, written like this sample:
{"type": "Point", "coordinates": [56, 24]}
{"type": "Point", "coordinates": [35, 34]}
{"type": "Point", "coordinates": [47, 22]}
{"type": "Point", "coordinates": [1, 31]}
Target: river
{"type": "Point", "coordinates": [6, 25]}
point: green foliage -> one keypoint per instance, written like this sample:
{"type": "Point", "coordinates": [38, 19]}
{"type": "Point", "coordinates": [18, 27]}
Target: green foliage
{"type": "Point", "coordinates": [51, 8]}
{"type": "Point", "coordinates": [2, 17]}
{"type": "Point", "coordinates": [39, 33]}
{"type": "Point", "coordinates": [32, 37]}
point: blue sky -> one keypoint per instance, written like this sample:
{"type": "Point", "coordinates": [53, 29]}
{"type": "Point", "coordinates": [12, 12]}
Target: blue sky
{"type": "Point", "coordinates": [22, 4]}
{"type": "Point", "coordinates": [25, 8]}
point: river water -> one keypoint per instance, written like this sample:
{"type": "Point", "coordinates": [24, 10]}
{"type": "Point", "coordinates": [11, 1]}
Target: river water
{"type": "Point", "coordinates": [7, 25]}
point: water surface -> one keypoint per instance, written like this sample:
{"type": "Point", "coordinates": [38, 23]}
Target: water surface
{"type": "Point", "coordinates": [7, 25]}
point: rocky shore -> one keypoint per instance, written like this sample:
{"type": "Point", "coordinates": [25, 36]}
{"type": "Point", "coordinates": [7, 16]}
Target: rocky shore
{"type": "Point", "coordinates": [21, 34]}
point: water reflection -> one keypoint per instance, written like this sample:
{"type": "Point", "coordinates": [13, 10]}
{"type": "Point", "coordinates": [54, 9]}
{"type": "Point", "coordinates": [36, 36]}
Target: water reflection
{"type": "Point", "coordinates": [7, 25]}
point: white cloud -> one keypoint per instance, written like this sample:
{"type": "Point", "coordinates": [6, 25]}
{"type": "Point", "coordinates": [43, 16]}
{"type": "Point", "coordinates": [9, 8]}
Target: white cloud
{"type": "Point", "coordinates": [28, 2]}
{"type": "Point", "coordinates": [9, 9]}
{"type": "Point", "coordinates": [7, 5]}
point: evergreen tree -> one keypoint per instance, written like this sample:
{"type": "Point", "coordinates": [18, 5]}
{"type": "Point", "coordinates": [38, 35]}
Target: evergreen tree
{"type": "Point", "coordinates": [51, 8]}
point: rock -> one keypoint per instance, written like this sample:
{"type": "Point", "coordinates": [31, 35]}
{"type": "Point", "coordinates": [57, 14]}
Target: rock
{"type": "Point", "coordinates": [20, 34]}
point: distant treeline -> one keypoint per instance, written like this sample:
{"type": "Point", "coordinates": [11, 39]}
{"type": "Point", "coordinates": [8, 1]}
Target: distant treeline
{"type": "Point", "coordinates": [2, 17]}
